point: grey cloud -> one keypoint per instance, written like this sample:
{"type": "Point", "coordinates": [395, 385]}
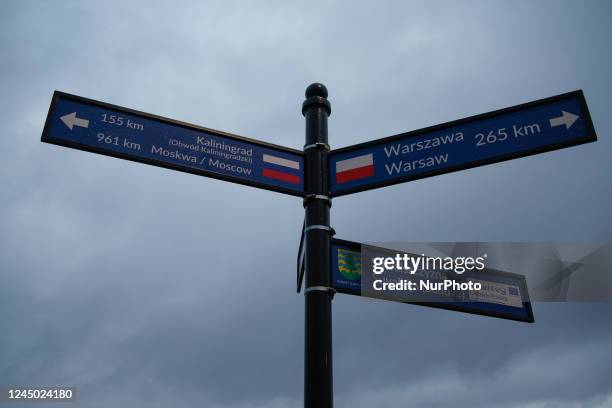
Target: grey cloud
{"type": "Point", "coordinates": [146, 287]}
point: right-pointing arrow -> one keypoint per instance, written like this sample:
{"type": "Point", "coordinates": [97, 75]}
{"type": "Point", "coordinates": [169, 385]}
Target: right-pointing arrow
{"type": "Point", "coordinates": [71, 120]}
{"type": "Point", "coordinates": [566, 119]}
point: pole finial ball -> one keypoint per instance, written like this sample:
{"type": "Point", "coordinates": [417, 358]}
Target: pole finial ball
{"type": "Point", "coordinates": [316, 89]}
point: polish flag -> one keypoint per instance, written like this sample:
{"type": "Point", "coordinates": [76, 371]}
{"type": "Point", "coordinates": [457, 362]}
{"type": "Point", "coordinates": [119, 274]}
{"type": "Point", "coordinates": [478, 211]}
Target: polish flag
{"type": "Point", "coordinates": [355, 168]}
{"type": "Point", "coordinates": [278, 168]}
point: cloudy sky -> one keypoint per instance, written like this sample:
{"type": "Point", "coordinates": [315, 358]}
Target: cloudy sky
{"type": "Point", "coordinates": [141, 286]}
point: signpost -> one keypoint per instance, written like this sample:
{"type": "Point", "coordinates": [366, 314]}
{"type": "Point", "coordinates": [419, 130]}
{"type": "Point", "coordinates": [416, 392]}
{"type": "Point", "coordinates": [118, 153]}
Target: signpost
{"type": "Point", "coordinates": [111, 130]}
{"type": "Point", "coordinates": [317, 174]}
{"type": "Point", "coordinates": [318, 384]}
{"type": "Point", "coordinates": [523, 130]}
{"type": "Point", "coordinates": [504, 295]}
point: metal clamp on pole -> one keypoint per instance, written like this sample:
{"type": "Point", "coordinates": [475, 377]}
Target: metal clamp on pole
{"type": "Point", "coordinates": [331, 291]}
{"type": "Point", "coordinates": [310, 197]}
{"type": "Point", "coordinates": [317, 145]}
{"type": "Point", "coordinates": [320, 227]}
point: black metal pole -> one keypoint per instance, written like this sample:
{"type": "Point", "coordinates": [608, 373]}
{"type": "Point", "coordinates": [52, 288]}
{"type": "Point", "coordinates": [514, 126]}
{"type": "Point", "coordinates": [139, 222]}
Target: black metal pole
{"type": "Point", "coordinates": [318, 384]}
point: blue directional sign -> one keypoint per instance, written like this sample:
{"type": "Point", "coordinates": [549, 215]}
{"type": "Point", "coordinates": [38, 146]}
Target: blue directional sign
{"type": "Point", "coordinates": [98, 127]}
{"type": "Point", "coordinates": [502, 294]}
{"type": "Point", "coordinates": [536, 127]}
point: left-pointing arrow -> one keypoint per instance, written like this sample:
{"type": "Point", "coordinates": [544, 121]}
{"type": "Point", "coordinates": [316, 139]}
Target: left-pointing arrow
{"type": "Point", "coordinates": [71, 120]}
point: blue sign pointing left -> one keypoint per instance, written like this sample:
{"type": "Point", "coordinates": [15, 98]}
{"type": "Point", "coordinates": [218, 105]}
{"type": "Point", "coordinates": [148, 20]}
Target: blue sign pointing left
{"type": "Point", "coordinates": [98, 127]}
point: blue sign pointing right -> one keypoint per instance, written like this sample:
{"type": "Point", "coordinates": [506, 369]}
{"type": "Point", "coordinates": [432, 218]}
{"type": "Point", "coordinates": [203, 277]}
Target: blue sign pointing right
{"type": "Point", "coordinates": [535, 127]}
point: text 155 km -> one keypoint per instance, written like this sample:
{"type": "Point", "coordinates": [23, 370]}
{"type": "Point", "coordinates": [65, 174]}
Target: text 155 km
{"type": "Point", "coordinates": [121, 121]}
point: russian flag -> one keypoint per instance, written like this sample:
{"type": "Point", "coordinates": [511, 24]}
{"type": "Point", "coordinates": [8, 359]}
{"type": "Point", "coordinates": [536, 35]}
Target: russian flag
{"type": "Point", "coordinates": [278, 168]}
{"type": "Point", "coordinates": [355, 168]}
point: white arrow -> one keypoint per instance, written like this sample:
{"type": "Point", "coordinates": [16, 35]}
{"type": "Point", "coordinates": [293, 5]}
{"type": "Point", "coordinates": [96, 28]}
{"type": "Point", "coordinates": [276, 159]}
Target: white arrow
{"type": "Point", "coordinates": [71, 120]}
{"type": "Point", "coordinates": [566, 119]}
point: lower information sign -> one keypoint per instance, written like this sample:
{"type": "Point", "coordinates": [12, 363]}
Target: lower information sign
{"type": "Point", "coordinates": [372, 272]}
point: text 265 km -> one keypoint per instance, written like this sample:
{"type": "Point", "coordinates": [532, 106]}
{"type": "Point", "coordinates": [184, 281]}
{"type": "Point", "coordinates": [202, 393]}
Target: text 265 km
{"type": "Point", "coordinates": [501, 134]}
